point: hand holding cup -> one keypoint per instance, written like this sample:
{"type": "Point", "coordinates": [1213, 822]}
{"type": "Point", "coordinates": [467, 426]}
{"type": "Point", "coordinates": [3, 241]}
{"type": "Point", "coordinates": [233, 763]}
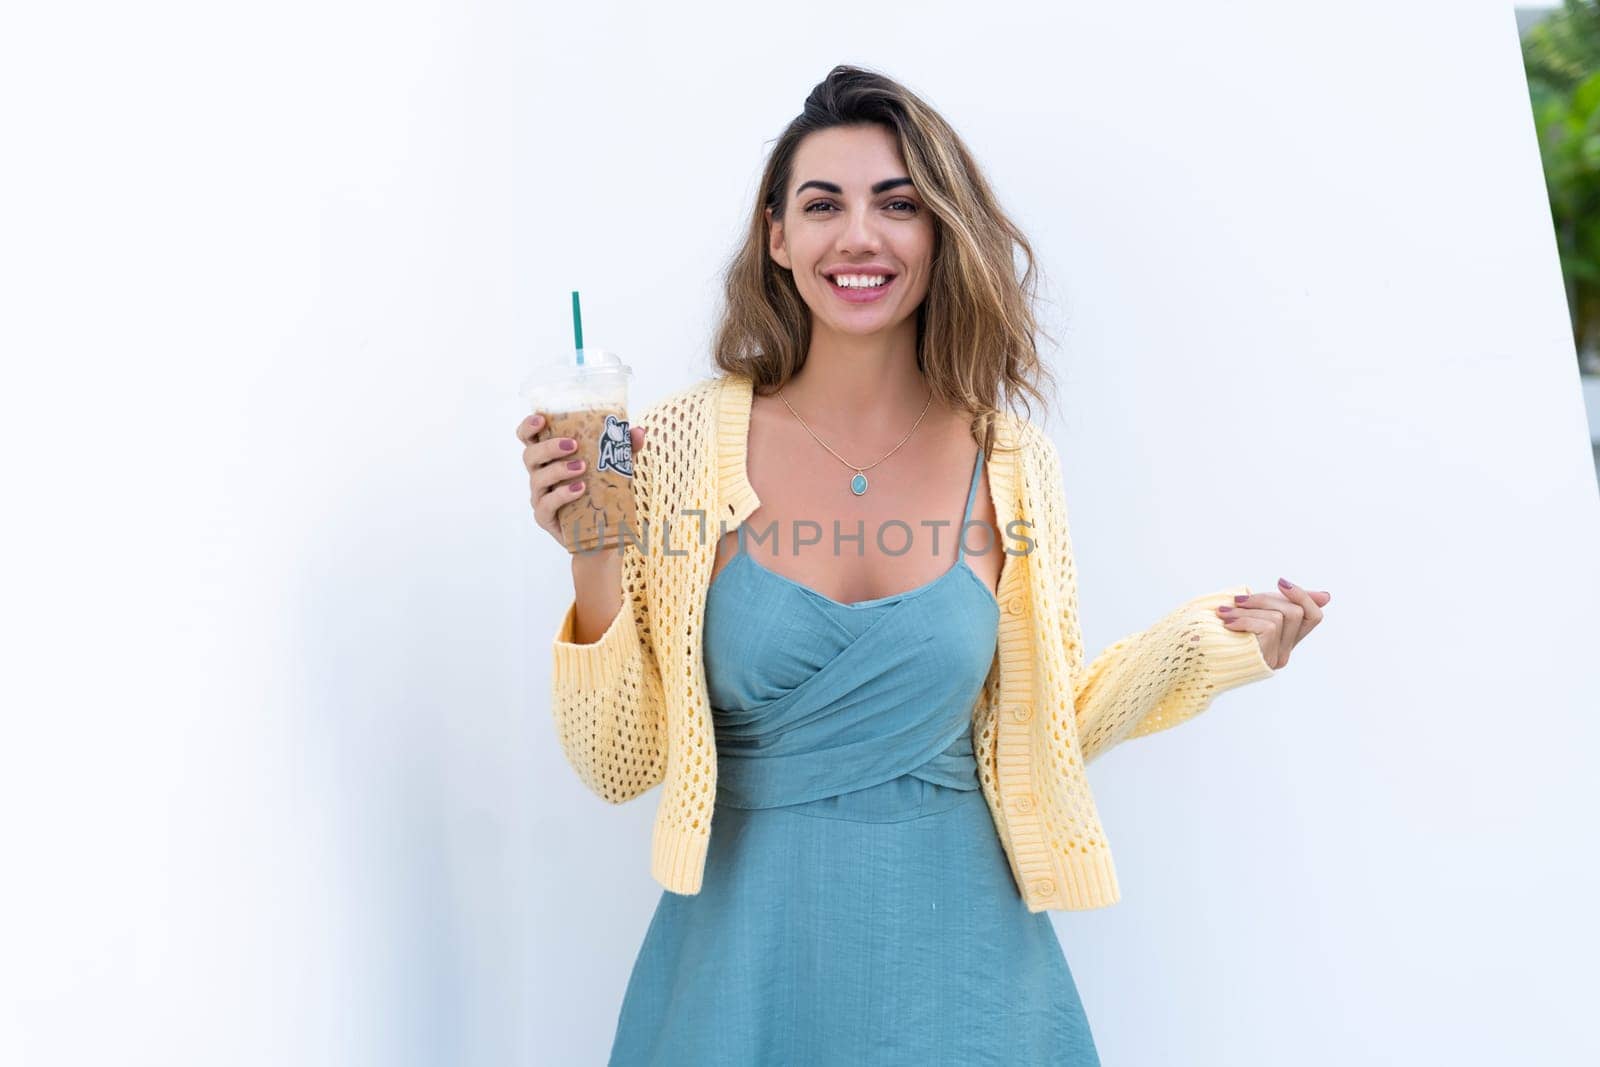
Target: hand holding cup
{"type": "Point", "coordinates": [556, 474]}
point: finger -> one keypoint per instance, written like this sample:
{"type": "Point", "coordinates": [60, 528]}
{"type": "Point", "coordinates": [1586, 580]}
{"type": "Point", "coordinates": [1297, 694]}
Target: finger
{"type": "Point", "coordinates": [529, 426]}
{"type": "Point", "coordinates": [1266, 633]}
{"type": "Point", "coordinates": [1282, 615]}
{"type": "Point", "coordinates": [1303, 597]}
{"type": "Point", "coordinates": [1281, 635]}
{"type": "Point", "coordinates": [636, 437]}
{"type": "Point", "coordinates": [550, 450]}
{"type": "Point", "coordinates": [1289, 613]}
{"type": "Point", "coordinates": [545, 476]}
{"type": "Point", "coordinates": [547, 501]}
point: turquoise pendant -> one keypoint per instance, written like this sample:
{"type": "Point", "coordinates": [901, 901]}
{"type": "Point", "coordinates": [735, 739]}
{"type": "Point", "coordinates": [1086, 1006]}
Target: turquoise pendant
{"type": "Point", "coordinates": [858, 484]}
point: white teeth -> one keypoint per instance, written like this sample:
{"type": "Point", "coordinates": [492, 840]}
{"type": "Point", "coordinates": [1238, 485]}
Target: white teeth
{"type": "Point", "coordinates": [859, 281]}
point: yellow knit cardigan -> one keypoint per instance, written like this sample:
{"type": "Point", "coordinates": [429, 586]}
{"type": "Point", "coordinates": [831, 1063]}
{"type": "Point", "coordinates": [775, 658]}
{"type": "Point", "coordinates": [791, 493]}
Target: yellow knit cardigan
{"type": "Point", "coordinates": [631, 709]}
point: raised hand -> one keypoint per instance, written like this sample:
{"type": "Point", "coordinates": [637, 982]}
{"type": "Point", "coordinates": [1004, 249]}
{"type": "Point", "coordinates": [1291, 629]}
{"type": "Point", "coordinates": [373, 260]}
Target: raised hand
{"type": "Point", "coordinates": [1279, 620]}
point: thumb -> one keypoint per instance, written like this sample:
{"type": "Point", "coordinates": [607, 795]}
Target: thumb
{"type": "Point", "coordinates": [638, 437]}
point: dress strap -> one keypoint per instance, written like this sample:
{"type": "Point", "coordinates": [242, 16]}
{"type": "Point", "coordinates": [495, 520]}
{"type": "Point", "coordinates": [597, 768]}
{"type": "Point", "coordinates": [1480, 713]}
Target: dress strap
{"type": "Point", "coordinates": [972, 493]}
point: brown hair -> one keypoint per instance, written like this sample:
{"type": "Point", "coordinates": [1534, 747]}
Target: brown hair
{"type": "Point", "coordinates": [975, 328]}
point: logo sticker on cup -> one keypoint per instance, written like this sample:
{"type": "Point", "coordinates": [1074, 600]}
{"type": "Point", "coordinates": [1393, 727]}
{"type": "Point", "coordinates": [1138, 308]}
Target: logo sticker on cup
{"type": "Point", "coordinates": [616, 447]}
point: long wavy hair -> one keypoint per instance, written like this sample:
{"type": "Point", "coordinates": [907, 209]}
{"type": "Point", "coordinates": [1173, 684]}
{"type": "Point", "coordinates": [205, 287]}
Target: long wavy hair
{"type": "Point", "coordinates": [975, 327]}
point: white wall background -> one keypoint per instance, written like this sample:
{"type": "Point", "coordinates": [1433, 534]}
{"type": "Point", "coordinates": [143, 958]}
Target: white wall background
{"type": "Point", "coordinates": [278, 782]}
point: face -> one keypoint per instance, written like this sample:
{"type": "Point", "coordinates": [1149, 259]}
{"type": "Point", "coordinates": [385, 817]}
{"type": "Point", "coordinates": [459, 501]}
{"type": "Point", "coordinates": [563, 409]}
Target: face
{"type": "Point", "coordinates": [851, 211]}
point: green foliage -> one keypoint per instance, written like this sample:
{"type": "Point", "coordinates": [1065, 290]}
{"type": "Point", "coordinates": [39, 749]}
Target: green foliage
{"type": "Point", "coordinates": [1564, 48]}
{"type": "Point", "coordinates": [1562, 57]}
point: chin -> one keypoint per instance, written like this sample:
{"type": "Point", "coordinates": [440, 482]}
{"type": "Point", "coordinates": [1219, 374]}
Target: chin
{"type": "Point", "coordinates": [860, 327]}
{"type": "Point", "coordinates": [879, 323]}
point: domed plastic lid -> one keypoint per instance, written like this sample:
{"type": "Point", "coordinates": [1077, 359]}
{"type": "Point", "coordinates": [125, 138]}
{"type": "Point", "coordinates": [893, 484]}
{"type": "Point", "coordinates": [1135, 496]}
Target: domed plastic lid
{"type": "Point", "coordinates": [601, 378]}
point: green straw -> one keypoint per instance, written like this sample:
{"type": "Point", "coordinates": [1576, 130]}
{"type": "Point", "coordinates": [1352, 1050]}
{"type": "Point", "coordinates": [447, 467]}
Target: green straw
{"type": "Point", "coordinates": [577, 326]}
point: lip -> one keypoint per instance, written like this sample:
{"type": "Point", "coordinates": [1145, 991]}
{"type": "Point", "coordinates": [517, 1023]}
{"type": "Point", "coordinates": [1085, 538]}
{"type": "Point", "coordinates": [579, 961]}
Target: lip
{"type": "Point", "coordinates": [857, 268]}
{"type": "Point", "coordinates": [862, 296]}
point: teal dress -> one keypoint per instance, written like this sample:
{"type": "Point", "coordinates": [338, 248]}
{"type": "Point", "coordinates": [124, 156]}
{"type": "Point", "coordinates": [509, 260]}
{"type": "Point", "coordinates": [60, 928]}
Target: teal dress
{"type": "Point", "coordinates": [856, 906]}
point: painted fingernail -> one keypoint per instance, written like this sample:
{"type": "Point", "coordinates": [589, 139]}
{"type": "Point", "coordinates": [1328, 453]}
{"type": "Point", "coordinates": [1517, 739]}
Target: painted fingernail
{"type": "Point", "coordinates": [1285, 583]}
{"type": "Point", "coordinates": [568, 444]}
{"type": "Point", "coordinates": [576, 487]}
{"type": "Point", "coordinates": [1225, 609]}
{"type": "Point", "coordinates": [1241, 598]}
{"type": "Point", "coordinates": [536, 419]}
{"type": "Point", "coordinates": [574, 464]}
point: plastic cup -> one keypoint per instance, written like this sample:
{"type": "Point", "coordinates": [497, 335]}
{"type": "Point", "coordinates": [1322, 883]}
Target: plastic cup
{"type": "Point", "coordinates": [588, 402]}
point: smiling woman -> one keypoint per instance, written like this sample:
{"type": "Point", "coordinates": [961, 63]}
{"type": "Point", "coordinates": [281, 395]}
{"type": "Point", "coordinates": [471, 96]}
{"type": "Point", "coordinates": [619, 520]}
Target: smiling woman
{"type": "Point", "coordinates": [857, 904]}
{"type": "Point", "coordinates": [872, 760]}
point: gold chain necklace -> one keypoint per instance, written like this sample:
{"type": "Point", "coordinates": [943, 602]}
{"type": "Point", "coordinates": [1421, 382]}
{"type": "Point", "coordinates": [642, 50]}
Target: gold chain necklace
{"type": "Point", "coordinates": [858, 483]}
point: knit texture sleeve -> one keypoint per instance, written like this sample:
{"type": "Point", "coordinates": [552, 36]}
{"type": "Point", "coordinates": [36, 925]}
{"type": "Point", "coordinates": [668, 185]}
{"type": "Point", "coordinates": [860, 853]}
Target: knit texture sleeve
{"type": "Point", "coordinates": [607, 697]}
{"type": "Point", "coordinates": [1151, 680]}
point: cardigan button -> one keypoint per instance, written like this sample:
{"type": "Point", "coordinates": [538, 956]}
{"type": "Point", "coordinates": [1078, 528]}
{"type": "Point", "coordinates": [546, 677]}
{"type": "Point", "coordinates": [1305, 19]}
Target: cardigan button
{"type": "Point", "coordinates": [1045, 888]}
{"type": "Point", "coordinates": [1021, 712]}
{"type": "Point", "coordinates": [1023, 804]}
{"type": "Point", "coordinates": [1016, 605]}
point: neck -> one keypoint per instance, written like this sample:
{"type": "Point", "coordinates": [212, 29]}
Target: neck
{"type": "Point", "coordinates": [850, 381]}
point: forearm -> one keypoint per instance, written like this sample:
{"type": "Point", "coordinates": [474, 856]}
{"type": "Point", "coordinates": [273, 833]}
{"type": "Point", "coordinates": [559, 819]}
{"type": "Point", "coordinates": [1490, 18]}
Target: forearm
{"type": "Point", "coordinates": [1164, 675]}
{"type": "Point", "coordinates": [597, 592]}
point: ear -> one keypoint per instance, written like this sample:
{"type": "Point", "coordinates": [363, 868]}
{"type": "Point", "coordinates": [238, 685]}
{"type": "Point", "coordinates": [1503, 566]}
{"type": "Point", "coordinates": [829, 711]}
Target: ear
{"type": "Point", "coordinates": [775, 243]}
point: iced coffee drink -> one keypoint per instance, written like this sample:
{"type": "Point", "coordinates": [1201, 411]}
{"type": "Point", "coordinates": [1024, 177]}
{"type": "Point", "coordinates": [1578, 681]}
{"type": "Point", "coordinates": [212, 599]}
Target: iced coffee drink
{"type": "Point", "coordinates": [588, 402]}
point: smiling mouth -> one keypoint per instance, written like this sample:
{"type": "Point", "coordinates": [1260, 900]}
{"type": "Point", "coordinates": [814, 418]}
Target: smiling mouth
{"type": "Point", "coordinates": [860, 283]}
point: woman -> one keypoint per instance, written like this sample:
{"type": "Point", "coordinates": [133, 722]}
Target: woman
{"type": "Point", "coordinates": [871, 722]}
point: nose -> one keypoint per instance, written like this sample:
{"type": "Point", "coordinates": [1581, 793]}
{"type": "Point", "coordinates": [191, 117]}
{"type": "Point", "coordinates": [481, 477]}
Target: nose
{"type": "Point", "coordinates": [860, 232]}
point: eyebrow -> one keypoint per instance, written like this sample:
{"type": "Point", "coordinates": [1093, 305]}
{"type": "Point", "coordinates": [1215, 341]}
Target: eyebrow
{"type": "Point", "coordinates": [830, 187]}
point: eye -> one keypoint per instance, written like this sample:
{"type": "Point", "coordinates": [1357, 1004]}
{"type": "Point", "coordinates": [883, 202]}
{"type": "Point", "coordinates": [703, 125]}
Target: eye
{"type": "Point", "coordinates": [904, 207]}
